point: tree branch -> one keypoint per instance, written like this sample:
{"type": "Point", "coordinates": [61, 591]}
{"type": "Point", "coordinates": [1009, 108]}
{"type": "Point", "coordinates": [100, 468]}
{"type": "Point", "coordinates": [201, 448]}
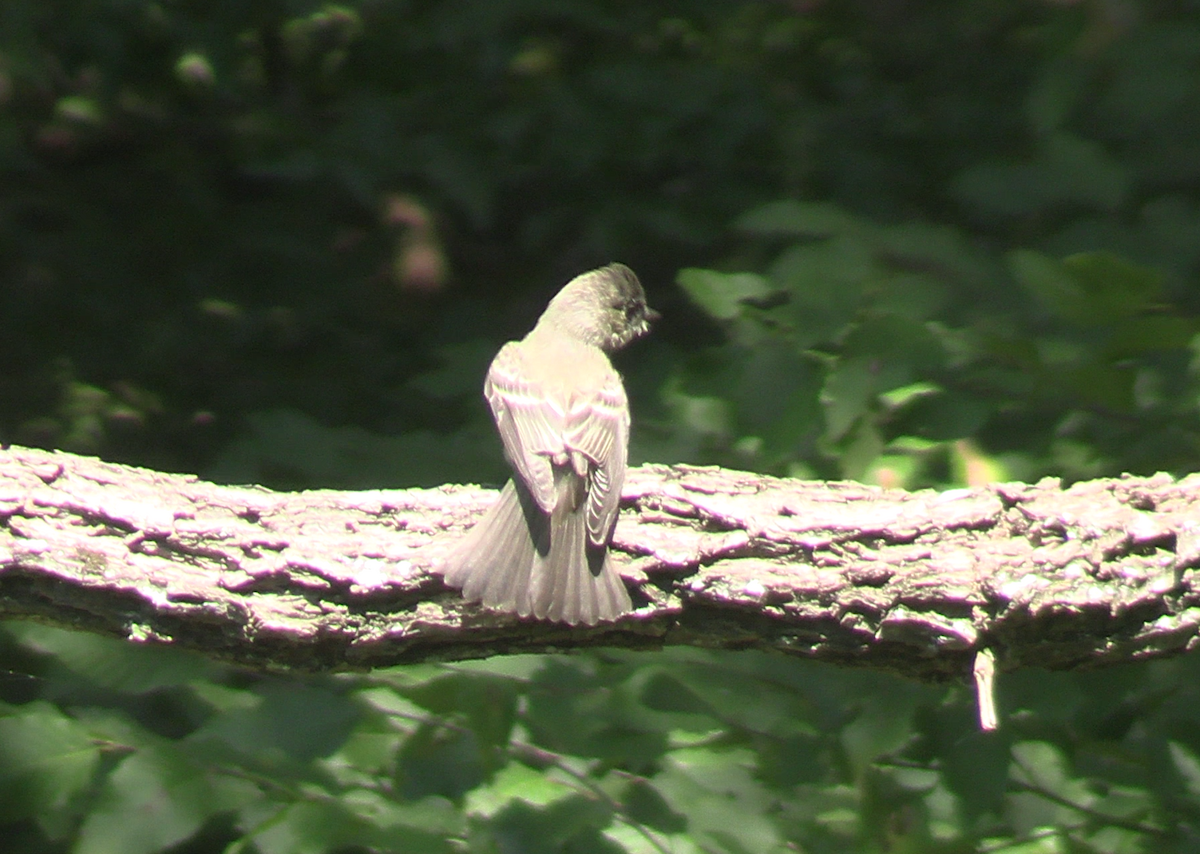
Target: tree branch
{"type": "Point", "coordinates": [915, 583]}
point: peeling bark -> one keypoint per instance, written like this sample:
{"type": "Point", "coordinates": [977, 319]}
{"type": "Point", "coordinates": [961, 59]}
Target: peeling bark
{"type": "Point", "coordinates": [915, 583]}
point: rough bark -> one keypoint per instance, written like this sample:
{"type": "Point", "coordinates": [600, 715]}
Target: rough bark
{"type": "Point", "coordinates": [916, 583]}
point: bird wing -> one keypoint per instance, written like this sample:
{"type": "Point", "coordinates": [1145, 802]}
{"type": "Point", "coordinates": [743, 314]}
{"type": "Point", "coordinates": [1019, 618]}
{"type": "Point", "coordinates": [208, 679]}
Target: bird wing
{"type": "Point", "coordinates": [531, 425]}
{"type": "Point", "coordinates": [597, 426]}
{"type": "Point", "coordinates": [539, 429]}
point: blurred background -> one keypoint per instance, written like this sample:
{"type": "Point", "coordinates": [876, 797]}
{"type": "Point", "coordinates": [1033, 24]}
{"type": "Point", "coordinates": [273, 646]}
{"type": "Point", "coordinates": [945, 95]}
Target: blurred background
{"type": "Point", "coordinates": [908, 243]}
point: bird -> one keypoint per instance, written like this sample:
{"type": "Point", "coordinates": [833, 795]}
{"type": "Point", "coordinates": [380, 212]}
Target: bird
{"type": "Point", "coordinates": [563, 417]}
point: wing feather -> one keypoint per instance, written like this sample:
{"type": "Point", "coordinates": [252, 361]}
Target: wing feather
{"type": "Point", "coordinates": [598, 427]}
{"type": "Point", "coordinates": [530, 426]}
{"type": "Point", "coordinates": [539, 431]}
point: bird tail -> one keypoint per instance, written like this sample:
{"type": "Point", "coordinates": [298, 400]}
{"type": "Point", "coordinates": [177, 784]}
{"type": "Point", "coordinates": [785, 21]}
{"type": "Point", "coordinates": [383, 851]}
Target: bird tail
{"type": "Point", "coordinates": [518, 559]}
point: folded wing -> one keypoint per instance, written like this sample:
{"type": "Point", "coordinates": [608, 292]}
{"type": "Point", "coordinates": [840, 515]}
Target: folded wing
{"type": "Point", "coordinates": [531, 426]}
{"type": "Point", "coordinates": [539, 430]}
{"type": "Point", "coordinates": [598, 427]}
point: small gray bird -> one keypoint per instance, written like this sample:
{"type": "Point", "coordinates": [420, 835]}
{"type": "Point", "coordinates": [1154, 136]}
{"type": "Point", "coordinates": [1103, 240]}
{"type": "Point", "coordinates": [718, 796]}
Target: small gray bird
{"type": "Point", "coordinates": [542, 548]}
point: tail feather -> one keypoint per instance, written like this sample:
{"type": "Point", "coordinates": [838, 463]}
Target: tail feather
{"type": "Point", "coordinates": [575, 580]}
{"type": "Point", "coordinates": [557, 572]}
{"type": "Point", "coordinates": [493, 561]}
{"type": "Point", "coordinates": [610, 594]}
{"type": "Point", "coordinates": [519, 560]}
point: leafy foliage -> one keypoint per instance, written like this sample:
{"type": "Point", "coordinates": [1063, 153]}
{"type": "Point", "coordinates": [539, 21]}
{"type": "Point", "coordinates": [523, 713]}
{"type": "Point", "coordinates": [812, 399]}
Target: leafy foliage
{"type": "Point", "coordinates": [888, 352]}
{"type": "Point", "coordinates": [686, 751]}
{"type": "Point", "coordinates": [917, 244]}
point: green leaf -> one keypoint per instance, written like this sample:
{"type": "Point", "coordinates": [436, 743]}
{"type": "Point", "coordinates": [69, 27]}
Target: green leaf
{"type": "Point", "coordinates": [644, 804]}
{"type": "Point", "coordinates": [1187, 765]}
{"type": "Point", "coordinates": [883, 726]}
{"type": "Point", "coordinates": [110, 663]}
{"type": "Point", "coordinates": [440, 760]}
{"type": "Point", "coordinates": [1043, 767]}
{"type": "Point", "coordinates": [1115, 287]}
{"type": "Point", "coordinates": [919, 296]}
{"type": "Point", "coordinates": [776, 393]}
{"type": "Point", "coordinates": [672, 705]}
{"type": "Point", "coordinates": [900, 345]}
{"type": "Point", "coordinates": [832, 813]}
{"type": "Point", "coordinates": [1137, 336]}
{"type": "Point", "coordinates": [404, 677]}
{"type": "Point", "coordinates": [1050, 283]}
{"type": "Point", "coordinates": [849, 389]}
{"type": "Point", "coordinates": [900, 397]}
{"type": "Point", "coordinates": [631, 841]}
{"type": "Point", "coordinates": [1066, 170]}
{"type": "Point", "coordinates": [519, 668]}
{"type": "Point", "coordinates": [1089, 288]}
{"type": "Point", "coordinates": [975, 766]}
{"type": "Point", "coordinates": [487, 703]}
{"type": "Point", "coordinates": [580, 708]}
{"type": "Point", "coordinates": [391, 702]}
{"type": "Point", "coordinates": [725, 806]}
{"type": "Point", "coordinates": [307, 827]}
{"type": "Point", "coordinates": [742, 700]}
{"type": "Point", "coordinates": [517, 782]}
{"type": "Point", "coordinates": [154, 799]}
{"type": "Point", "coordinates": [569, 824]}
{"type": "Point", "coordinates": [434, 818]}
{"type": "Point", "coordinates": [697, 414]}
{"type": "Point", "coordinates": [291, 721]}
{"type": "Point", "coordinates": [828, 275]}
{"type": "Point", "coordinates": [1110, 386]}
{"type": "Point", "coordinates": [46, 759]}
{"type": "Point", "coordinates": [950, 415]}
{"type": "Point", "coordinates": [863, 448]}
{"type": "Point", "coordinates": [368, 751]}
{"type": "Point", "coordinates": [926, 258]}
{"type": "Point", "coordinates": [722, 294]}
{"type": "Point", "coordinates": [1046, 842]}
